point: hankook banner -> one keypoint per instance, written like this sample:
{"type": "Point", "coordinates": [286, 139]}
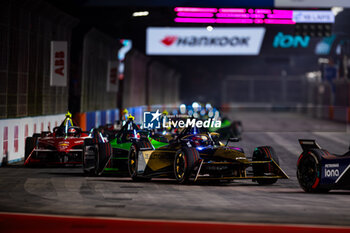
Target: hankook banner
{"type": "Point", "coordinates": [200, 41]}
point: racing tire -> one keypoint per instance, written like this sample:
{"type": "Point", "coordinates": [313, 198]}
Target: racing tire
{"type": "Point", "coordinates": [185, 159]}
{"type": "Point", "coordinates": [90, 157]}
{"type": "Point", "coordinates": [309, 171]}
{"type": "Point", "coordinates": [133, 162]}
{"type": "Point", "coordinates": [29, 147]}
{"type": "Point", "coordinates": [30, 144]}
{"type": "Point", "coordinates": [236, 129]}
{"type": "Point", "coordinates": [104, 153]}
{"type": "Point", "coordinates": [265, 153]}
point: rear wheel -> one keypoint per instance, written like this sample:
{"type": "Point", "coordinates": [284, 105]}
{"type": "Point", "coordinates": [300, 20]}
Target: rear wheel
{"type": "Point", "coordinates": [265, 153]}
{"type": "Point", "coordinates": [90, 157]}
{"type": "Point", "coordinates": [309, 172]}
{"type": "Point", "coordinates": [185, 160]}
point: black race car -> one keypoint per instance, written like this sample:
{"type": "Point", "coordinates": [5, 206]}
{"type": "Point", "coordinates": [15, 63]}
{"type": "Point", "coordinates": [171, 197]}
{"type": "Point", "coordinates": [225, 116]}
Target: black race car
{"type": "Point", "coordinates": [198, 155]}
{"type": "Point", "coordinates": [320, 171]}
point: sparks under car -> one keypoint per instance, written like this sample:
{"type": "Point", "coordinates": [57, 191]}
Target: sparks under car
{"type": "Point", "coordinates": [64, 145]}
{"type": "Point", "coordinates": [198, 155]}
{"type": "Point", "coordinates": [320, 171]}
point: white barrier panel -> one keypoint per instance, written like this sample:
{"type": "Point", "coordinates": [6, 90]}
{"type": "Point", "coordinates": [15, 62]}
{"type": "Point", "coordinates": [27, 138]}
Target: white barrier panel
{"type": "Point", "coordinates": [14, 131]}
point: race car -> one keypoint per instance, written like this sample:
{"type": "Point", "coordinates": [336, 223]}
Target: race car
{"type": "Point", "coordinates": [229, 129]}
{"type": "Point", "coordinates": [198, 155]}
{"type": "Point", "coordinates": [319, 171]}
{"type": "Point", "coordinates": [64, 145]}
{"type": "Point", "coordinates": [113, 157]}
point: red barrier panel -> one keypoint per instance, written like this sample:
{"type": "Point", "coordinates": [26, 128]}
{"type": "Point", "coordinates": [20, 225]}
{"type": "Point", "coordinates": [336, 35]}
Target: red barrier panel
{"type": "Point", "coordinates": [45, 223]}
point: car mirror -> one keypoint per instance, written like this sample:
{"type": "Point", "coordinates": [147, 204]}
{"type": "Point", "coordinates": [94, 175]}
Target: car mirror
{"type": "Point", "coordinates": [234, 139]}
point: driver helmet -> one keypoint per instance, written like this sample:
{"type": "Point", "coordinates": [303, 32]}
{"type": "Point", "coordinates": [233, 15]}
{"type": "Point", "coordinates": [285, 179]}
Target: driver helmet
{"type": "Point", "coordinates": [72, 131]}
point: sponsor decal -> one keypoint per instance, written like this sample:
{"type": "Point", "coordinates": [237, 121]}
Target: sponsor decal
{"type": "Point", "coordinates": [155, 120]}
{"type": "Point", "coordinates": [288, 41]}
{"type": "Point", "coordinates": [112, 76]}
{"type": "Point", "coordinates": [169, 40]}
{"type": "Point", "coordinates": [58, 69]}
{"type": "Point", "coordinates": [324, 46]}
{"type": "Point", "coordinates": [200, 41]}
{"type": "Point", "coordinates": [206, 41]}
{"type": "Point", "coordinates": [331, 173]}
{"type": "Point", "coordinates": [331, 170]}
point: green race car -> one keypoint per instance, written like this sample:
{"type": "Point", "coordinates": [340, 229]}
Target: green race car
{"type": "Point", "coordinates": [112, 156]}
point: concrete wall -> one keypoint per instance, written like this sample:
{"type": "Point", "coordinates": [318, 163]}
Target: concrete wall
{"type": "Point", "coordinates": [98, 49]}
{"type": "Point", "coordinates": [27, 28]}
{"type": "Point", "coordinates": [148, 82]}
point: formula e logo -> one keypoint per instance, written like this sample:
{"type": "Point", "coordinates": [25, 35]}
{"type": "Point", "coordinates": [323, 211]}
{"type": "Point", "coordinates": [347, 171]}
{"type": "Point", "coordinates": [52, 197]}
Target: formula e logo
{"type": "Point", "coordinates": [331, 172]}
{"type": "Point", "coordinates": [169, 40]}
{"type": "Point", "coordinates": [151, 120]}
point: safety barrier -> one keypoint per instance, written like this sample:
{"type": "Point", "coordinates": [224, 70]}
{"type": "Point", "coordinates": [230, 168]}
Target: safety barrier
{"type": "Point", "coordinates": [14, 131]}
{"type": "Point", "coordinates": [89, 120]}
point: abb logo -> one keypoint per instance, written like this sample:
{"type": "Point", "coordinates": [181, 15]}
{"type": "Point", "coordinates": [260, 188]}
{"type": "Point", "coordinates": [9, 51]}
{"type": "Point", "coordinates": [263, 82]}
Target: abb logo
{"type": "Point", "coordinates": [59, 63]}
{"type": "Point", "coordinates": [113, 76]}
{"type": "Point", "coordinates": [169, 40]}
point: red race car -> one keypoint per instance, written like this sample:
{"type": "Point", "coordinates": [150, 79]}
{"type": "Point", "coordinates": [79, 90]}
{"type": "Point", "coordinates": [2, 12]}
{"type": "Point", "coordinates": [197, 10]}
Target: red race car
{"type": "Point", "coordinates": [64, 145]}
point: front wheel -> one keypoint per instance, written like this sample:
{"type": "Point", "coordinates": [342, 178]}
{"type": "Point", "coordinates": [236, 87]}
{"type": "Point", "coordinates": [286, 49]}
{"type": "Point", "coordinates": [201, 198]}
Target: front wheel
{"type": "Point", "coordinates": [185, 160]}
{"type": "Point", "coordinates": [265, 153]}
{"type": "Point", "coordinates": [133, 164]}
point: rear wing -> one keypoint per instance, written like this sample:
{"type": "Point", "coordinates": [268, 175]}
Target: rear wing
{"type": "Point", "coordinates": [307, 144]}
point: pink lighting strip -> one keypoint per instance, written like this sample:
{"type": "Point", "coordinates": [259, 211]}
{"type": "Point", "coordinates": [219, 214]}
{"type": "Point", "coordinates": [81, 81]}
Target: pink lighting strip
{"type": "Point", "coordinates": [245, 21]}
{"type": "Point", "coordinates": [232, 15]}
{"type": "Point", "coordinates": [194, 20]}
{"type": "Point", "coordinates": [263, 11]}
{"type": "Point", "coordinates": [284, 12]}
{"type": "Point", "coordinates": [279, 16]}
{"type": "Point", "coordinates": [260, 16]}
{"type": "Point", "coordinates": [190, 14]}
{"type": "Point", "coordinates": [232, 10]}
{"type": "Point", "coordinates": [195, 9]}
{"type": "Point", "coordinates": [279, 21]}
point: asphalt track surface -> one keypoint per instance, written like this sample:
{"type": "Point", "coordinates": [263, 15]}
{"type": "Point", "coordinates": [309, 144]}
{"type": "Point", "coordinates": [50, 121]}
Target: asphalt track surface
{"type": "Point", "coordinates": [66, 191]}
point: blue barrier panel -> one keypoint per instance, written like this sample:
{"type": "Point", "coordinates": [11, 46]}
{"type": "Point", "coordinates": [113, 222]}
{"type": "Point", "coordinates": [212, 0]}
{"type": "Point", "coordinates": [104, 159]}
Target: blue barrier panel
{"type": "Point", "coordinates": [90, 120]}
{"type": "Point", "coordinates": [103, 118]}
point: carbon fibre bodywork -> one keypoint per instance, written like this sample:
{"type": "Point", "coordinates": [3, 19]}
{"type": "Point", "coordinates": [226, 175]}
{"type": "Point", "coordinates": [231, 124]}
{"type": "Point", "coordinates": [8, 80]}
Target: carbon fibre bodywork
{"type": "Point", "coordinates": [64, 145]}
{"type": "Point", "coordinates": [319, 170]}
{"type": "Point", "coordinates": [120, 146]}
{"type": "Point", "coordinates": [210, 160]}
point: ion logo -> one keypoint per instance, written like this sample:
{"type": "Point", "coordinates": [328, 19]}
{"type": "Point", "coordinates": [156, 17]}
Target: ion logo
{"type": "Point", "coordinates": [288, 41]}
{"type": "Point", "coordinates": [151, 120]}
{"type": "Point", "coordinates": [331, 172]}
{"type": "Point", "coordinates": [169, 40]}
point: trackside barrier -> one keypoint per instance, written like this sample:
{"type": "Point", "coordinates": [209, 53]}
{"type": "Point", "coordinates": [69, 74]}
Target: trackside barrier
{"type": "Point", "coordinates": [14, 131]}
{"type": "Point", "coordinates": [89, 120]}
